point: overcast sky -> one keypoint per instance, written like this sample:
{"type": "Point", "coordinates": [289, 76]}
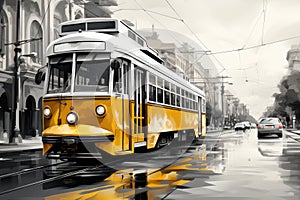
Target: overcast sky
{"type": "Point", "coordinates": [230, 24]}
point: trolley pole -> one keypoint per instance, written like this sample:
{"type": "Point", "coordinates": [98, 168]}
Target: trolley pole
{"type": "Point", "coordinates": [13, 128]}
{"type": "Point", "coordinates": [222, 98]}
{"type": "Point", "coordinates": [70, 10]}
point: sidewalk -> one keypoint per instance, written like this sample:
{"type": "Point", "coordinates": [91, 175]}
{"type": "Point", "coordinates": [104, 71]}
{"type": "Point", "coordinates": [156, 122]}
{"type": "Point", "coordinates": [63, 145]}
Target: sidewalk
{"type": "Point", "coordinates": [218, 132]}
{"type": "Point", "coordinates": [34, 143]}
{"type": "Point", "coordinates": [295, 132]}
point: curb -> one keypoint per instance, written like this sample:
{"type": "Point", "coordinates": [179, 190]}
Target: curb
{"type": "Point", "coordinates": [293, 131]}
{"type": "Point", "coordinates": [11, 148]}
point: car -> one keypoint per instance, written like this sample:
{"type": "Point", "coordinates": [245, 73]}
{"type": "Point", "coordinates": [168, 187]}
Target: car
{"type": "Point", "coordinates": [227, 127]}
{"type": "Point", "coordinates": [247, 124]}
{"type": "Point", "coordinates": [269, 126]}
{"type": "Point", "coordinates": [239, 127]}
{"type": "Point", "coordinates": [253, 125]}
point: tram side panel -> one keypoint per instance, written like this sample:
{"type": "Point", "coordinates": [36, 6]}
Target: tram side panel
{"type": "Point", "coordinates": [163, 119]}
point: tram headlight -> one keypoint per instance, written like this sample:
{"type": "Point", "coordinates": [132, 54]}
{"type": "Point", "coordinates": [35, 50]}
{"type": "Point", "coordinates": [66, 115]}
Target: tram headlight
{"type": "Point", "coordinates": [72, 118]}
{"type": "Point", "coordinates": [100, 110]}
{"type": "Point", "coordinates": [47, 112]}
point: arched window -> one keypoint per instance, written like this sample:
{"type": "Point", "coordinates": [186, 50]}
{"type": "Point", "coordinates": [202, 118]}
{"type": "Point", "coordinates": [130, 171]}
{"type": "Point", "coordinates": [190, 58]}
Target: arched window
{"type": "Point", "coordinates": [78, 14]}
{"type": "Point", "coordinates": [37, 45]}
{"type": "Point", "coordinates": [3, 33]}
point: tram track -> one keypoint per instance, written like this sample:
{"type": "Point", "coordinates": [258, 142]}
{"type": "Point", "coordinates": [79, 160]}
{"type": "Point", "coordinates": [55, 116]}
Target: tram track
{"type": "Point", "coordinates": [83, 170]}
{"type": "Point", "coordinates": [24, 171]}
{"type": "Point", "coordinates": [69, 174]}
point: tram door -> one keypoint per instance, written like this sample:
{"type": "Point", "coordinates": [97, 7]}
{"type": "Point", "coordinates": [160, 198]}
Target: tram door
{"type": "Point", "coordinates": [199, 116]}
{"type": "Point", "coordinates": [139, 110]}
{"type": "Point", "coordinates": [121, 104]}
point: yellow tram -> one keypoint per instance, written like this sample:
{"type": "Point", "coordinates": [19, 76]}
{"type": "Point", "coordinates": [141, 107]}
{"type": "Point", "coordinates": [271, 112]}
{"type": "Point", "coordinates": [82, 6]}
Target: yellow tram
{"type": "Point", "coordinates": [107, 91]}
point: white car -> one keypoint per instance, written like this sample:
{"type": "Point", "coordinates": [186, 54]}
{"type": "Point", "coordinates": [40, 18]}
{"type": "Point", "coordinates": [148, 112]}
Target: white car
{"type": "Point", "coordinates": [239, 127]}
{"type": "Point", "coordinates": [247, 124]}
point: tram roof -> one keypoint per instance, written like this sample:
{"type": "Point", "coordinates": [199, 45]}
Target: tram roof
{"type": "Point", "coordinates": [119, 39]}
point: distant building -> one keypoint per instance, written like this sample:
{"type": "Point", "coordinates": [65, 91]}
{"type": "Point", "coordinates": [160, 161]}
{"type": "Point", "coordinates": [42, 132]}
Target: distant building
{"type": "Point", "coordinates": [39, 20]}
{"type": "Point", "coordinates": [183, 61]}
{"type": "Point", "coordinates": [293, 57]}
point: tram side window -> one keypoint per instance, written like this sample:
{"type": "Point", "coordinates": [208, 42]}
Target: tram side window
{"type": "Point", "coordinates": [160, 97]}
{"type": "Point", "coordinates": [172, 99]}
{"type": "Point", "coordinates": [178, 96]}
{"type": "Point", "coordinates": [126, 77]}
{"type": "Point", "coordinates": [167, 97]}
{"type": "Point", "coordinates": [186, 99]}
{"type": "Point", "coordinates": [190, 101]}
{"type": "Point", "coordinates": [152, 87]}
{"type": "Point", "coordinates": [117, 86]}
{"type": "Point", "coordinates": [178, 100]}
{"type": "Point", "coordinates": [203, 106]}
{"type": "Point", "coordinates": [160, 93]}
{"type": "Point", "coordinates": [167, 85]}
{"type": "Point", "coordinates": [152, 93]}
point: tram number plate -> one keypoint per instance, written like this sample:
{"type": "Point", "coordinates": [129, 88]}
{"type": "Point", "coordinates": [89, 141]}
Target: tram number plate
{"type": "Point", "coordinates": [69, 141]}
{"type": "Point", "coordinates": [140, 144]}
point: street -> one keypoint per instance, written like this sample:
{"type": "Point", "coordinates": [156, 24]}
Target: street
{"type": "Point", "coordinates": [118, 99]}
{"type": "Point", "coordinates": [232, 165]}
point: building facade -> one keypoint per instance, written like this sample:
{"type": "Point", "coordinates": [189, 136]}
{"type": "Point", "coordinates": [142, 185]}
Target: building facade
{"type": "Point", "coordinates": [293, 57]}
{"type": "Point", "coordinates": [39, 20]}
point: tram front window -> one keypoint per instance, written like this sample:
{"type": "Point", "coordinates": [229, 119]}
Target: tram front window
{"type": "Point", "coordinates": [60, 74]}
{"type": "Point", "coordinates": [92, 73]}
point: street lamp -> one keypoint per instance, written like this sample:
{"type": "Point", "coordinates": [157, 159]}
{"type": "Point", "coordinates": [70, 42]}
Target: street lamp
{"type": "Point", "coordinates": [30, 55]}
{"type": "Point", "coordinates": [17, 96]}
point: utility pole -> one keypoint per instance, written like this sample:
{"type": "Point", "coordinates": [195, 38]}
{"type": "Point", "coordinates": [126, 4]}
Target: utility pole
{"type": "Point", "coordinates": [222, 98]}
{"type": "Point", "coordinates": [13, 128]}
{"type": "Point", "coordinates": [222, 92]}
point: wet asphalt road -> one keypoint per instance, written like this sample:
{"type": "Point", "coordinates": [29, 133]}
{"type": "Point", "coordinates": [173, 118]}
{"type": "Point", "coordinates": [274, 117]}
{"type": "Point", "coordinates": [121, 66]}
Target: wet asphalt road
{"type": "Point", "coordinates": [227, 165]}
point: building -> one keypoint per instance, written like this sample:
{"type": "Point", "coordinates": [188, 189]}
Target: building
{"type": "Point", "coordinates": [185, 61]}
{"type": "Point", "coordinates": [293, 57]}
{"type": "Point", "coordinates": [39, 20]}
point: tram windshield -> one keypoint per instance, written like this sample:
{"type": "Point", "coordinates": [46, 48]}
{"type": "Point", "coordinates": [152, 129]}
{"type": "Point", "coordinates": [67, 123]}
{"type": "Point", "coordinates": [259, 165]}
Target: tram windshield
{"type": "Point", "coordinates": [91, 73]}
{"type": "Point", "coordinates": [60, 74]}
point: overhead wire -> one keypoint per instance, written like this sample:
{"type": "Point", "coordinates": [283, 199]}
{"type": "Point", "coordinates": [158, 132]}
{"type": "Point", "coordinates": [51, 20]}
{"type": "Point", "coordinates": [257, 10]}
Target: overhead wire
{"type": "Point", "coordinates": [255, 46]}
{"type": "Point", "coordinates": [47, 9]}
{"type": "Point", "coordinates": [147, 12]}
{"type": "Point", "coordinates": [89, 11]}
{"type": "Point", "coordinates": [210, 52]}
{"type": "Point", "coordinates": [265, 3]}
{"type": "Point", "coordinates": [252, 30]}
{"type": "Point", "coordinates": [194, 34]}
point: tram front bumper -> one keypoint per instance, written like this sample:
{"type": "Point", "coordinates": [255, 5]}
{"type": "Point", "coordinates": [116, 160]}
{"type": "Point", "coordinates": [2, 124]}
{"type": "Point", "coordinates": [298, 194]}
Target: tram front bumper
{"type": "Point", "coordinates": [78, 141]}
{"type": "Point", "coordinates": [57, 147]}
{"type": "Point", "coordinates": [75, 140]}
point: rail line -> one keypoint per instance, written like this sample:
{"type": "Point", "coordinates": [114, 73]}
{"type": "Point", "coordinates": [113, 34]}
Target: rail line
{"type": "Point", "coordinates": [49, 179]}
{"type": "Point", "coordinates": [80, 171]}
{"type": "Point", "coordinates": [24, 171]}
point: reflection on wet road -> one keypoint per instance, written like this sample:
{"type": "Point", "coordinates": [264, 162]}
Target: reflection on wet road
{"type": "Point", "coordinates": [232, 166]}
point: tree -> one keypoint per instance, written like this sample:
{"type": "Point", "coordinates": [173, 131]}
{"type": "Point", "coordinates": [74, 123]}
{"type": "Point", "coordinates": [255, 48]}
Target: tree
{"type": "Point", "coordinates": [289, 95]}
